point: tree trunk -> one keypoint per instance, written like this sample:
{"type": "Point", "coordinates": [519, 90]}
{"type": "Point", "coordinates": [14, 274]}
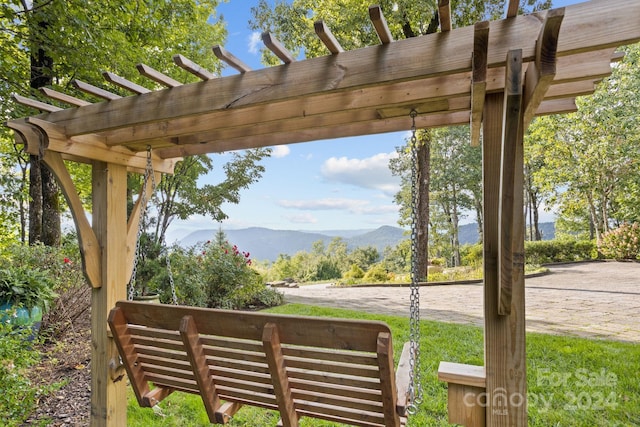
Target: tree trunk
{"type": "Point", "coordinates": [44, 208]}
{"type": "Point", "coordinates": [455, 229]}
{"type": "Point", "coordinates": [424, 177]}
{"type": "Point", "coordinates": [35, 201]}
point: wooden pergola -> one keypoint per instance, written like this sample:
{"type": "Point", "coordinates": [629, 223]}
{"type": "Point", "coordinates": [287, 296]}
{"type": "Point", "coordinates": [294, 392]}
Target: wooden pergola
{"type": "Point", "coordinates": [494, 75]}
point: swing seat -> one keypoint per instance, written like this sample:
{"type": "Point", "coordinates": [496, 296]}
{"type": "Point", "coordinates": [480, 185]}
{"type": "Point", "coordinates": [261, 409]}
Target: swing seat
{"type": "Point", "coordinates": [333, 369]}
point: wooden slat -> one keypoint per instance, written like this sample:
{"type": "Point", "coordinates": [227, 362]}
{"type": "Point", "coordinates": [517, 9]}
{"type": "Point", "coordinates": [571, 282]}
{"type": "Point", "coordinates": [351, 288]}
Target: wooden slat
{"type": "Point", "coordinates": [512, 121]}
{"type": "Point", "coordinates": [267, 401]}
{"type": "Point", "coordinates": [343, 415]}
{"type": "Point", "coordinates": [478, 78]}
{"type": "Point", "coordinates": [198, 360]}
{"type": "Point", "coordinates": [226, 411]}
{"type": "Point", "coordinates": [512, 8]}
{"type": "Point", "coordinates": [325, 35]}
{"type": "Point", "coordinates": [38, 105]}
{"type": "Point", "coordinates": [277, 48]}
{"type": "Point", "coordinates": [380, 24]}
{"type": "Point", "coordinates": [192, 67]}
{"type": "Point", "coordinates": [172, 363]}
{"type": "Point", "coordinates": [188, 386]}
{"type": "Point", "coordinates": [63, 97]}
{"type": "Point", "coordinates": [160, 343]}
{"type": "Point", "coordinates": [122, 339]}
{"type": "Point", "coordinates": [541, 72]}
{"type": "Point", "coordinates": [230, 59]}
{"type": "Point", "coordinates": [327, 398]}
{"type": "Point", "coordinates": [444, 14]}
{"type": "Point", "coordinates": [278, 368]}
{"type": "Point", "coordinates": [332, 367]}
{"type": "Point", "coordinates": [387, 383]}
{"type": "Point", "coordinates": [185, 374]}
{"type": "Point", "coordinates": [232, 354]}
{"type": "Point", "coordinates": [336, 390]}
{"type": "Point", "coordinates": [124, 83]}
{"type": "Point", "coordinates": [333, 356]}
{"type": "Point", "coordinates": [157, 76]}
{"type": "Point", "coordinates": [94, 90]}
{"type": "Point", "coordinates": [557, 106]}
{"type": "Point", "coordinates": [231, 343]}
{"type": "Point", "coordinates": [341, 380]}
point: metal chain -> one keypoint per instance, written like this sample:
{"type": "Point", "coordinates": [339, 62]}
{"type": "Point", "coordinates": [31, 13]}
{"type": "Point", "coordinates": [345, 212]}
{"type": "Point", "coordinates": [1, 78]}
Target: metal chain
{"type": "Point", "coordinates": [415, 380]}
{"type": "Point", "coordinates": [143, 212]}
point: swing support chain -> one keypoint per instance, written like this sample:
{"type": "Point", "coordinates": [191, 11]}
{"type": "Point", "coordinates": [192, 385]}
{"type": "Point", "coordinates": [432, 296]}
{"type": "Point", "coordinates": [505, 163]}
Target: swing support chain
{"type": "Point", "coordinates": [415, 381]}
{"type": "Point", "coordinates": [148, 174]}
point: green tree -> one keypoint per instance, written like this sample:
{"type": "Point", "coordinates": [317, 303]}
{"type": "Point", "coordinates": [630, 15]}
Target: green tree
{"type": "Point", "coordinates": [592, 156]}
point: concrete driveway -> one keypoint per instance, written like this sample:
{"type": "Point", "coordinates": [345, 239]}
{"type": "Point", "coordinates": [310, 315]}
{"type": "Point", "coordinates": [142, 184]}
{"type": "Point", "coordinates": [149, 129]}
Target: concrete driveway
{"type": "Point", "coordinates": [594, 300]}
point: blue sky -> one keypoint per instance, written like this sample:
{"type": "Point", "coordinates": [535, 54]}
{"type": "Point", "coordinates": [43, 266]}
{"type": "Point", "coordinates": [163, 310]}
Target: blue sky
{"type": "Point", "coordinates": [324, 185]}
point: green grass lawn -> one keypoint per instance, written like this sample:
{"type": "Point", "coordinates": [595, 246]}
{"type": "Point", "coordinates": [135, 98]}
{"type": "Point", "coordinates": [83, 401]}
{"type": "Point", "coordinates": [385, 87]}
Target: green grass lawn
{"type": "Point", "coordinates": [571, 381]}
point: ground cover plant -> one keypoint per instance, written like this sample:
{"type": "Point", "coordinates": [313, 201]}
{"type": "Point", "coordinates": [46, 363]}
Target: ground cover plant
{"type": "Point", "coordinates": [571, 381]}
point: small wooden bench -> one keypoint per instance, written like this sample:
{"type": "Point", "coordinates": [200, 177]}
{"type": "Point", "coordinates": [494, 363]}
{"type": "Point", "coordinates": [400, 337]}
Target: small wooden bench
{"type": "Point", "coordinates": [334, 369]}
{"type": "Point", "coordinates": [467, 393]}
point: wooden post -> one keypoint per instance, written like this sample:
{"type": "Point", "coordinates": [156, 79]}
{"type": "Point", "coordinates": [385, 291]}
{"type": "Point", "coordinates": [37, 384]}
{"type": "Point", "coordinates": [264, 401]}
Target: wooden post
{"type": "Point", "coordinates": [505, 353]}
{"type": "Point", "coordinates": [108, 396]}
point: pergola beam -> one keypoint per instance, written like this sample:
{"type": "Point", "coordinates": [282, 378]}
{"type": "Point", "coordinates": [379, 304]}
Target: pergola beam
{"type": "Point", "coordinates": [94, 90]}
{"type": "Point", "coordinates": [278, 49]}
{"type": "Point", "coordinates": [124, 83]}
{"type": "Point", "coordinates": [63, 97]}
{"type": "Point", "coordinates": [230, 59]}
{"type": "Point", "coordinates": [542, 71]}
{"type": "Point", "coordinates": [478, 78]}
{"type": "Point", "coordinates": [326, 36]}
{"type": "Point", "coordinates": [444, 15]}
{"type": "Point", "coordinates": [157, 76]}
{"type": "Point", "coordinates": [352, 72]}
{"type": "Point", "coordinates": [190, 66]}
{"type": "Point", "coordinates": [380, 24]}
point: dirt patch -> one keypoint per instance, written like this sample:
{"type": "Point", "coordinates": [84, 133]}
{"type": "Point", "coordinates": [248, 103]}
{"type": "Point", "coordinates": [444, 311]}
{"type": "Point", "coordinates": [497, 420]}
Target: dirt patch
{"type": "Point", "coordinates": [66, 361]}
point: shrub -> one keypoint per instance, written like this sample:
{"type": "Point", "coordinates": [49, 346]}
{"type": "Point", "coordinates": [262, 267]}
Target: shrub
{"type": "Point", "coordinates": [559, 250]}
{"type": "Point", "coordinates": [621, 243]}
{"type": "Point", "coordinates": [355, 272]}
{"type": "Point", "coordinates": [216, 276]}
{"type": "Point", "coordinates": [377, 273]}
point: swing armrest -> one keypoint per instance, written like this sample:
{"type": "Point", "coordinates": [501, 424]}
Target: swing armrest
{"type": "Point", "coordinates": [403, 379]}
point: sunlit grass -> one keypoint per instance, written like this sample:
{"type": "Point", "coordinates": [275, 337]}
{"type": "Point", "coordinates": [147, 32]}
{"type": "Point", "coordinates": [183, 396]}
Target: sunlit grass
{"type": "Point", "coordinates": [571, 381]}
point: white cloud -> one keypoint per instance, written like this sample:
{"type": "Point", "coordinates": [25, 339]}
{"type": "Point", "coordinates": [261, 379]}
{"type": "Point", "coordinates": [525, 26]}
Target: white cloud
{"type": "Point", "coordinates": [303, 218]}
{"type": "Point", "coordinates": [371, 172]}
{"type": "Point", "coordinates": [254, 42]}
{"type": "Point", "coordinates": [355, 206]}
{"type": "Point", "coordinates": [280, 151]}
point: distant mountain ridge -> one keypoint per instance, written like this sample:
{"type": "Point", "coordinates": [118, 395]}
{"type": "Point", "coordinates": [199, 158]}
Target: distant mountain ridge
{"type": "Point", "coordinates": [267, 244]}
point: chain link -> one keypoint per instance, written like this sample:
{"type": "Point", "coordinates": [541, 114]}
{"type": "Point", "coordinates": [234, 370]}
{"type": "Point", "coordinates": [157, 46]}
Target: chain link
{"type": "Point", "coordinates": [415, 380]}
{"type": "Point", "coordinates": [148, 172]}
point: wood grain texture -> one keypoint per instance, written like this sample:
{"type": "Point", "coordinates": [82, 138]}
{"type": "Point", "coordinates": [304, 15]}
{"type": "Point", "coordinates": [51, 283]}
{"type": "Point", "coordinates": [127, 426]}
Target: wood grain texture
{"type": "Point", "coordinates": [222, 54]}
{"type": "Point", "coordinates": [380, 24]}
{"type": "Point", "coordinates": [326, 36]}
{"type": "Point", "coordinates": [444, 14]}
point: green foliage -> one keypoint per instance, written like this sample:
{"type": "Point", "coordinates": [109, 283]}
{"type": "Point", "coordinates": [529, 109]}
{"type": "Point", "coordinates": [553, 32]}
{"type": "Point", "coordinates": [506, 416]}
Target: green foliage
{"type": "Point", "coordinates": [355, 272]}
{"type": "Point", "coordinates": [376, 274]}
{"type": "Point", "coordinates": [26, 287]}
{"type": "Point", "coordinates": [19, 395]}
{"type": "Point", "coordinates": [559, 250]}
{"type": "Point", "coordinates": [217, 276]}
{"type": "Point", "coordinates": [472, 255]}
{"type": "Point", "coordinates": [621, 243]}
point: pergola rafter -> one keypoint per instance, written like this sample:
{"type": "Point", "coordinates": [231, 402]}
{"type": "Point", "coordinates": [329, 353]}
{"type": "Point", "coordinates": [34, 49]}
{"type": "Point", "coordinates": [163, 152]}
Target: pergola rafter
{"type": "Point", "coordinates": [495, 76]}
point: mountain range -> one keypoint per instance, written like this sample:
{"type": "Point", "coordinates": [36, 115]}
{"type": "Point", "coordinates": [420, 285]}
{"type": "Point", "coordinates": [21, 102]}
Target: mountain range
{"type": "Point", "coordinates": [267, 244]}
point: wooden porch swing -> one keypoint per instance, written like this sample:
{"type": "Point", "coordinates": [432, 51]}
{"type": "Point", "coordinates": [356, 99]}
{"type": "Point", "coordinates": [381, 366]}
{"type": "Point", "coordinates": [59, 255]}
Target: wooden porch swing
{"type": "Point", "coordinates": [495, 75]}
